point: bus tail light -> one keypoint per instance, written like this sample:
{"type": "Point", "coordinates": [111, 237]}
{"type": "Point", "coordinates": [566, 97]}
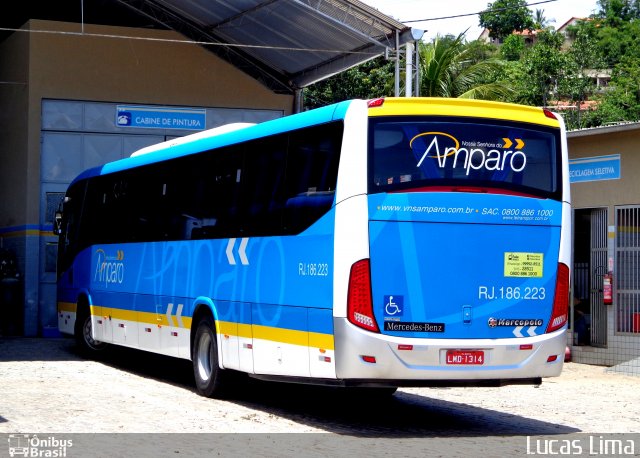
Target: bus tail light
{"type": "Point", "coordinates": [549, 114]}
{"type": "Point", "coordinates": [359, 300]}
{"type": "Point", "coordinates": [375, 103]}
{"type": "Point", "coordinates": [560, 300]}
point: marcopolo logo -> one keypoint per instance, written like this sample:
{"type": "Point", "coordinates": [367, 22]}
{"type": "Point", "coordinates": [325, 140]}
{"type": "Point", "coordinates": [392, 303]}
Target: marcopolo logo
{"type": "Point", "coordinates": [109, 269]}
{"type": "Point", "coordinates": [449, 152]}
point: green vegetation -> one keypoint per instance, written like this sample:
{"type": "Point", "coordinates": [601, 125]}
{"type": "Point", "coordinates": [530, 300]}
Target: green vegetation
{"type": "Point", "coordinates": [503, 17]}
{"type": "Point", "coordinates": [553, 69]}
{"type": "Point", "coordinates": [448, 69]}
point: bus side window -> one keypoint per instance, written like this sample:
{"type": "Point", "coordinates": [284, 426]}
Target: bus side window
{"type": "Point", "coordinates": [312, 173]}
{"type": "Point", "coordinates": [204, 191]}
{"type": "Point", "coordinates": [263, 185]}
{"type": "Point", "coordinates": [97, 220]}
{"type": "Point", "coordinates": [70, 226]}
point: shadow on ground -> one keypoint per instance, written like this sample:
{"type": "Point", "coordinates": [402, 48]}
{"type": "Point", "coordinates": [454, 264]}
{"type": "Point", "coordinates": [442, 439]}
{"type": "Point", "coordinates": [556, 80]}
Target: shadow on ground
{"type": "Point", "coordinates": [333, 410]}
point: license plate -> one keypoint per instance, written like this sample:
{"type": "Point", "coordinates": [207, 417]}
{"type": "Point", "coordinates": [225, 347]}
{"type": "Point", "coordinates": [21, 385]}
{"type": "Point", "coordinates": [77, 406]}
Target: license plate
{"type": "Point", "coordinates": [465, 357]}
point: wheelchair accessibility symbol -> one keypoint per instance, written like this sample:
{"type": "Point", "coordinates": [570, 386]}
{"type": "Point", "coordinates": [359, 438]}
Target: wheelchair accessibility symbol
{"type": "Point", "coordinates": [393, 306]}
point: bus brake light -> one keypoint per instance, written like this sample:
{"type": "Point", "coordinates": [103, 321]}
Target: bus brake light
{"type": "Point", "coordinates": [359, 300]}
{"type": "Point", "coordinates": [561, 300]}
{"type": "Point", "coordinates": [375, 103]}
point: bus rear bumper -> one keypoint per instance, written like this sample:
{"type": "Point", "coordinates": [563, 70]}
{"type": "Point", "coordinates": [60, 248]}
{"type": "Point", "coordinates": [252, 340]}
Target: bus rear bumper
{"type": "Point", "coordinates": [362, 355]}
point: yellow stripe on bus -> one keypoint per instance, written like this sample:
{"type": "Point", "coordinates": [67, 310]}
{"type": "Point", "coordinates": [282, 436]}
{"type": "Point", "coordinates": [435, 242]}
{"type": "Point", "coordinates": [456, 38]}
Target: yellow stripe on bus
{"type": "Point", "coordinates": [324, 341]}
{"type": "Point", "coordinates": [67, 307]}
{"type": "Point", "coordinates": [289, 336]}
{"type": "Point", "coordinates": [141, 317]}
{"type": "Point", "coordinates": [411, 106]}
{"type": "Point", "coordinates": [227, 327]}
{"type": "Point", "coordinates": [244, 330]}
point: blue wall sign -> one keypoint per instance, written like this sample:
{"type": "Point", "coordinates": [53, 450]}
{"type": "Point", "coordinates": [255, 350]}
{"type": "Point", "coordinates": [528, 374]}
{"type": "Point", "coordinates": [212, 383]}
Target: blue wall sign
{"type": "Point", "coordinates": [161, 118]}
{"type": "Point", "coordinates": [594, 168]}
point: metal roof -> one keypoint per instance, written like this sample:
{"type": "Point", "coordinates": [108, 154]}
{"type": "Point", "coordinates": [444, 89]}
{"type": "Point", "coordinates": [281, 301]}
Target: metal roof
{"type": "Point", "coordinates": [611, 128]}
{"type": "Point", "coordinates": [285, 44]}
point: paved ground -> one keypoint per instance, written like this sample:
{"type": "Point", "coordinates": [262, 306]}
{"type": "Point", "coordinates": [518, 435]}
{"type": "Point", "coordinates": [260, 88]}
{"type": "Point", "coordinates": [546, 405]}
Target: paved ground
{"type": "Point", "coordinates": [46, 388]}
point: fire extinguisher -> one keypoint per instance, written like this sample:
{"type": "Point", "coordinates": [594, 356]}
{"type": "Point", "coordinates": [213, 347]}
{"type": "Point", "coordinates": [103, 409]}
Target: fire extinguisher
{"type": "Point", "coordinates": [607, 288]}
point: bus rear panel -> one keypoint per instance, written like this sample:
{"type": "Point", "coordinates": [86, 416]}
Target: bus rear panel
{"type": "Point", "coordinates": [467, 275]}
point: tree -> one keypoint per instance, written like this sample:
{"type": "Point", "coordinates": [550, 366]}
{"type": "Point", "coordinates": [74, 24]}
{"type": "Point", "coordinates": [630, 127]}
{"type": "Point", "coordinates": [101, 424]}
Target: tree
{"type": "Point", "coordinates": [513, 47]}
{"type": "Point", "coordinates": [583, 56]}
{"type": "Point", "coordinates": [622, 101]}
{"type": "Point", "coordinates": [540, 21]}
{"type": "Point", "coordinates": [503, 17]}
{"type": "Point", "coordinates": [448, 71]}
{"type": "Point", "coordinates": [537, 73]}
{"type": "Point", "coordinates": [618, 41]}
{"type": "Point", "coordinates": [616, 12]}
{"type": "Point", "coordinates": [479, 50]}
{"type": "Point", "coordinates": [369, 80]}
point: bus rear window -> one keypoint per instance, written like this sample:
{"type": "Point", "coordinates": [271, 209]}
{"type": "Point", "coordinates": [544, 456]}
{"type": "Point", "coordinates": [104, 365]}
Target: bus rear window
{"type": "Point", "coordinates": [422, 154]}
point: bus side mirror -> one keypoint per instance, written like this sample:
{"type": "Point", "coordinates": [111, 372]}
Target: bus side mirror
{"type": "Point", "coordinates": [57, 223]}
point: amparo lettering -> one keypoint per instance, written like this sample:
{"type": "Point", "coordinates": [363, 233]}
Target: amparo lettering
{"type": "Point", "coordinates": [474, 158]}
{"type": "Point", "coordinates": [477, 159]}
{"type": "Point", "coordinates": [108, 270]}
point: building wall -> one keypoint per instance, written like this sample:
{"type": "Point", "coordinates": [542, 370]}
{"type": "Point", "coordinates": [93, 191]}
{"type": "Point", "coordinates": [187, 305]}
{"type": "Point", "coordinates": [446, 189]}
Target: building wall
{"type": "Point", "coordinates": [99, 64]}
{"type": "Point", "coordinates": [622, 349]}
{"type": "Point", "coordinates": [14, 175]}
{"type": "Point", "coordinates": [14, 93]}
{"type": "Point", "coordinates": [601, 142]}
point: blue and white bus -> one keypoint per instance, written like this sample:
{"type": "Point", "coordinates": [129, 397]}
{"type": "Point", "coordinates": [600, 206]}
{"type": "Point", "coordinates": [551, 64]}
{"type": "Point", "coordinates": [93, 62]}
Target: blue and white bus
{"type": "Point", "coordinates": [382, 243]}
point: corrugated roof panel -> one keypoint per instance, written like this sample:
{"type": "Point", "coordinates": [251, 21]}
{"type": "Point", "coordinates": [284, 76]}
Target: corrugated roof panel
{"type": "Point", "coordinates": [311, 37]}
{"type": "Point", "coordinates": [352, 16]}
{"type": "Point", "coordinates": [208, 12]}
{"type": "Point", "coordinates": [287, 41]}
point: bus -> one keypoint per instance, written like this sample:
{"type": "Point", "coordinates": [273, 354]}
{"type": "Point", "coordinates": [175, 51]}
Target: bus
{"type": "Point", "coordinates": [370, 244]}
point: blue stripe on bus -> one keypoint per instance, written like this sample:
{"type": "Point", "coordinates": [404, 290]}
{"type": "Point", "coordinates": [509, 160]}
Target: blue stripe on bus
{"type": "Point", "coordinates": [278, 316]}
{"type": "Point", "coordinates": [321, 321]}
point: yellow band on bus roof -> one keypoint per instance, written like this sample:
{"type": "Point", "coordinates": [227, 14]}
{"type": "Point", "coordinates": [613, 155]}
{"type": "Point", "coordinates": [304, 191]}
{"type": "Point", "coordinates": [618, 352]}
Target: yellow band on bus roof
{"type": "Point", "coordinates": [403, 106]}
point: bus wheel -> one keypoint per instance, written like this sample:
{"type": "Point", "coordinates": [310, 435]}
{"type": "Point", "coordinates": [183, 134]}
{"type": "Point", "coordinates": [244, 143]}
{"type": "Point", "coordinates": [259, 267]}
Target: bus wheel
{"type": "Point", "coordinates": [83, 333]}
{"type": "Point", "coordinates": [211, 381]}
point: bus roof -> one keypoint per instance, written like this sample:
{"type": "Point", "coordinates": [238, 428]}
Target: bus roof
{"type": "Point", "coordinates": [462, 107]}
{"type": "Point", "coordinates": [189, 138]}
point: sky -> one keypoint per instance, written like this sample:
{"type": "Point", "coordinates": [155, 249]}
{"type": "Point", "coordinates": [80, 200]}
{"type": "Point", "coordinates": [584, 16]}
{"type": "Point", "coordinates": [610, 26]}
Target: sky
{"type": "Point", "coordinates": [408, 10]}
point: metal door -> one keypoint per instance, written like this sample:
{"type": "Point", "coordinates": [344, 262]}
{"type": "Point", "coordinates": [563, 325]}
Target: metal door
{"type": "Point", "coordinates": [598, 270]}
{"type": "Point", "coordinates": [627, 273]}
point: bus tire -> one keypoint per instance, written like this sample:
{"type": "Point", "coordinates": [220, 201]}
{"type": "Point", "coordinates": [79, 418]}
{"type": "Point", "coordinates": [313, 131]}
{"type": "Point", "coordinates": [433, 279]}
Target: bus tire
{"type": "Point", "coordinates": [211, 380]}
{"type": "Point", "coordinates": [82, 332]}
